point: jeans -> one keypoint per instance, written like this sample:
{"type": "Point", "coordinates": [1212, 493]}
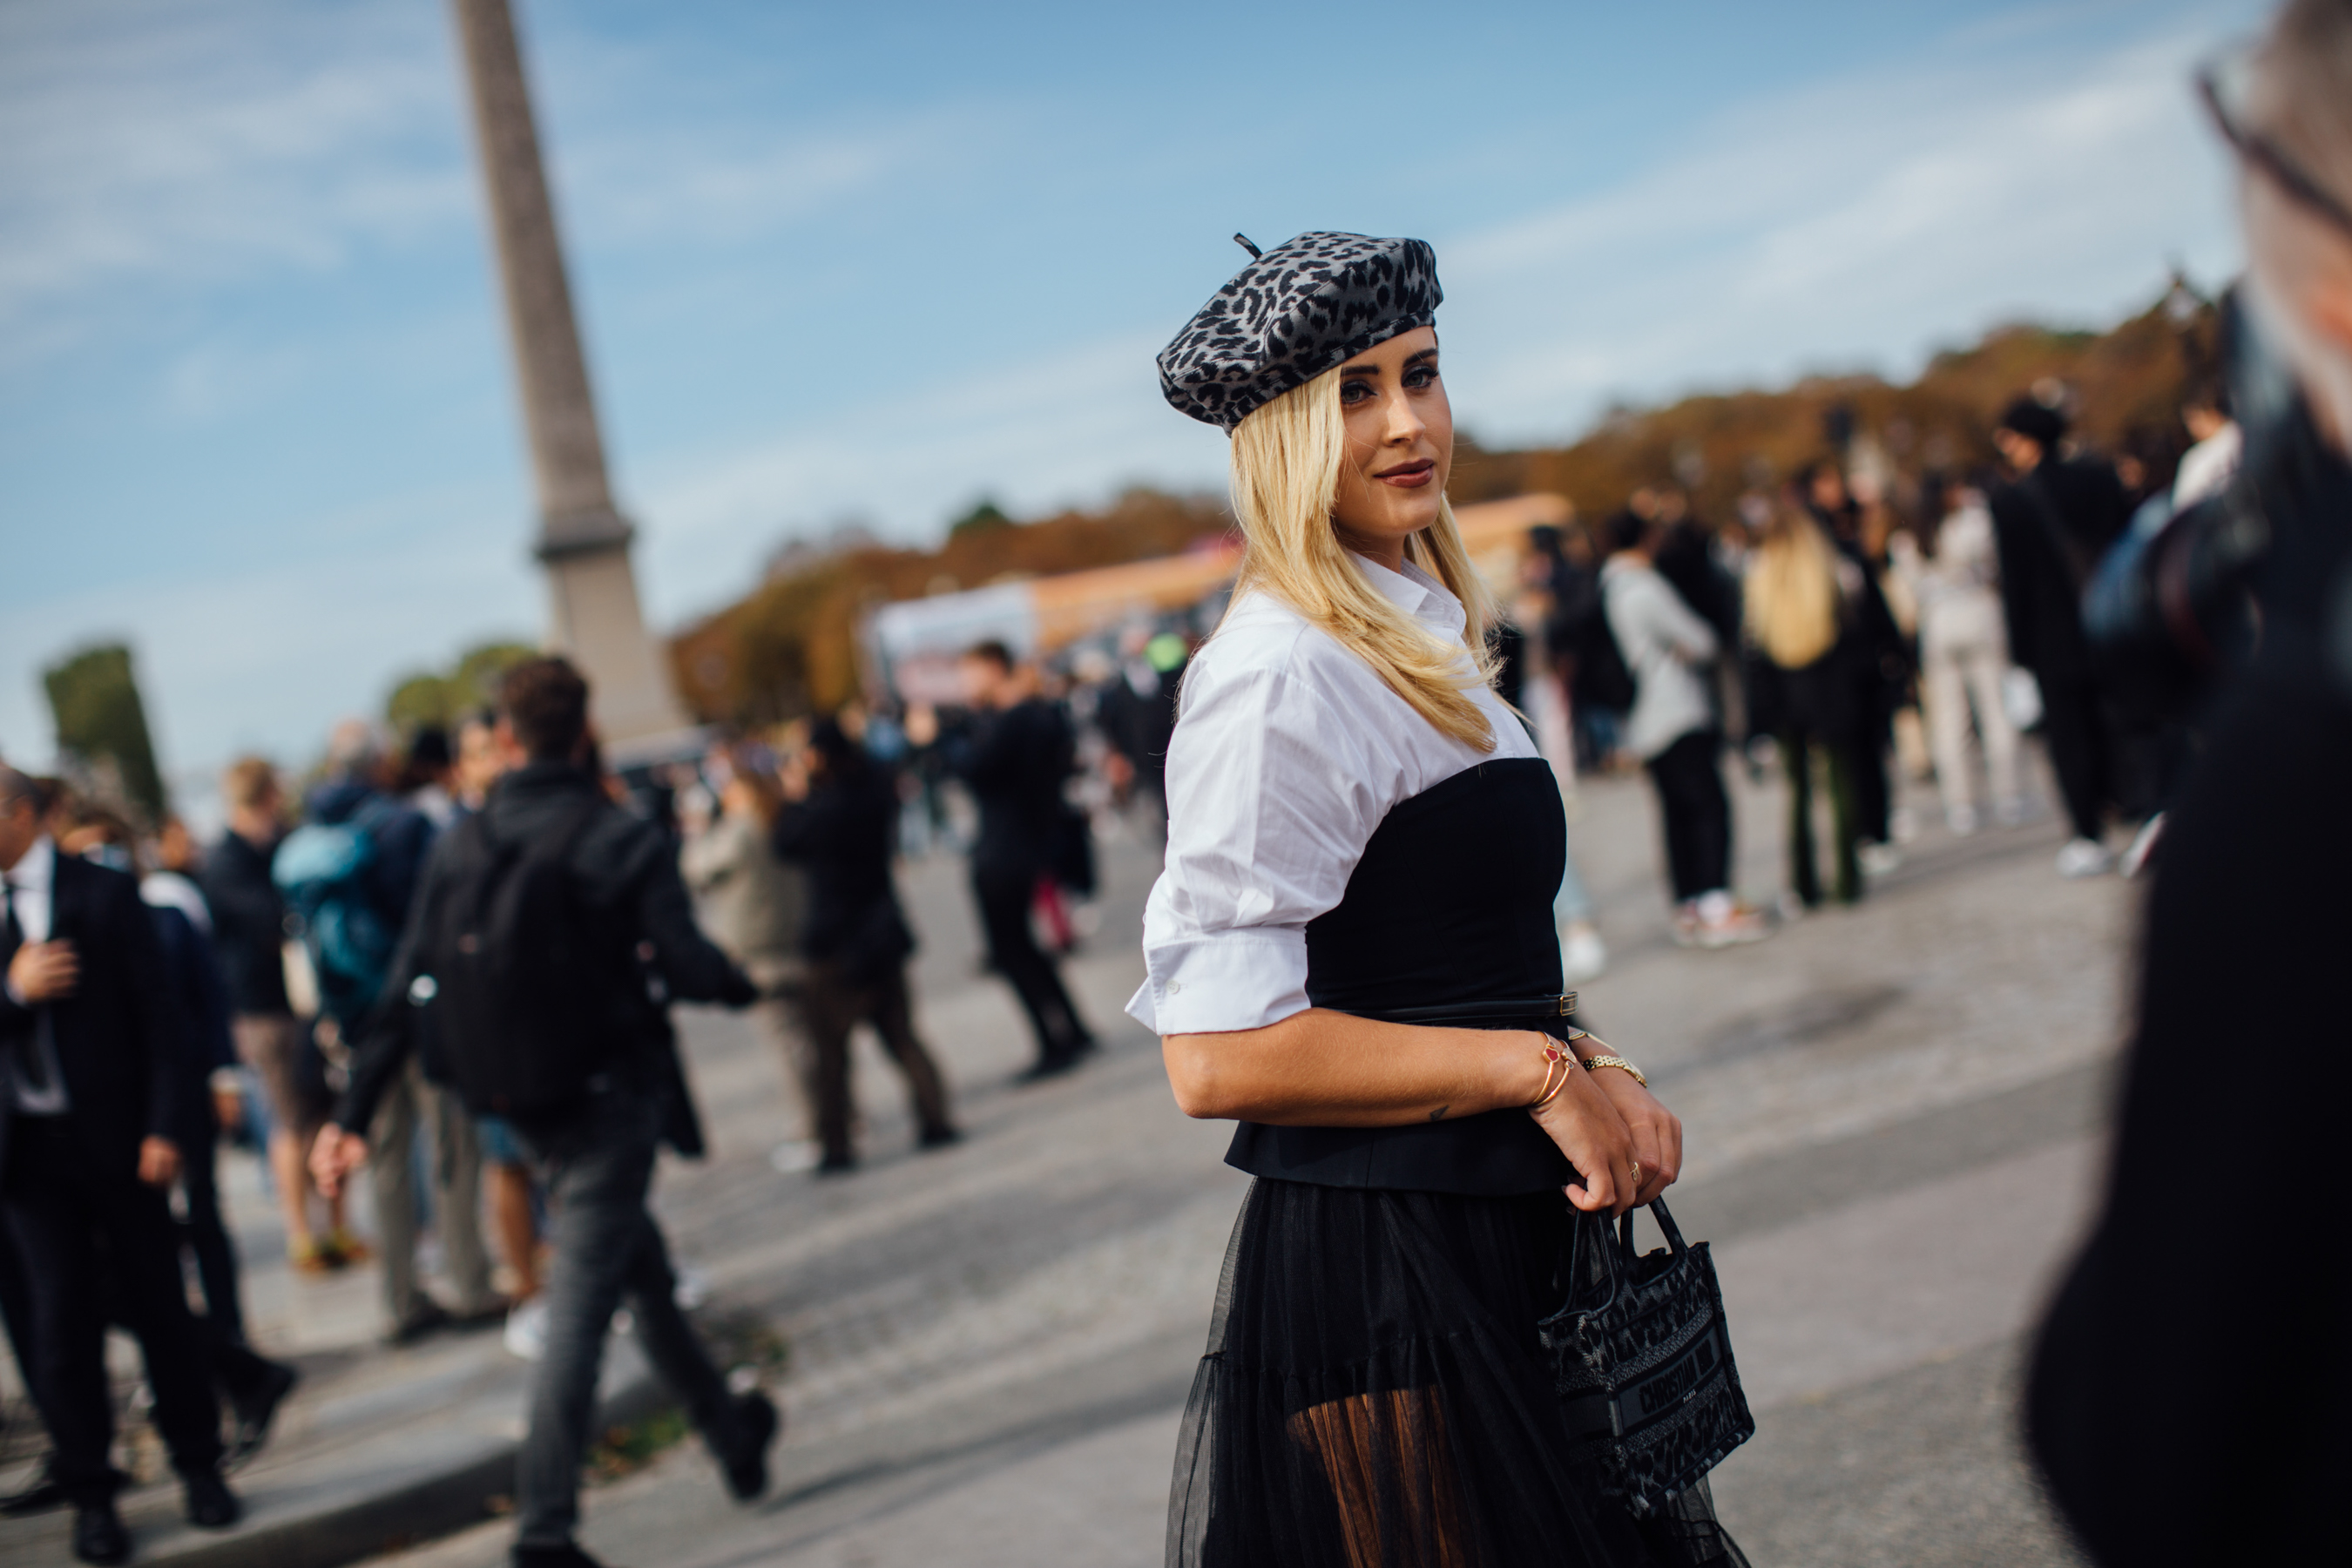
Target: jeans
{"type": "Point", "coordinates": [1697, 815]}
{"type": "Point", "coordinates": [599, 1167]}
{"type": "Point", "coordinates": [456, 1168]}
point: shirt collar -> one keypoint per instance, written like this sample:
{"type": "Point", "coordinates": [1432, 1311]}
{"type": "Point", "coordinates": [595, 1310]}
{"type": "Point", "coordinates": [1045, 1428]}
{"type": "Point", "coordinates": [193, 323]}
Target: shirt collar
{"type": "Point", "coordinates": [37, 867]}
{"type": "Point", "coordinates": [1418, 595]}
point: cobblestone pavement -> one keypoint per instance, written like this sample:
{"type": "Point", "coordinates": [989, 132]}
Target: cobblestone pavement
{"type": "Point", "coordinates": [1893, 1113]}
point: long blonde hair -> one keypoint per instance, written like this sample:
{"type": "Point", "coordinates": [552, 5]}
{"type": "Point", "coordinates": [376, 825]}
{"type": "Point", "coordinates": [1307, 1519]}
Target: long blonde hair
{"type": "Point", "coordinates": [1285, 480]}
{"type": "Point", "coordinates": [1791, 592]}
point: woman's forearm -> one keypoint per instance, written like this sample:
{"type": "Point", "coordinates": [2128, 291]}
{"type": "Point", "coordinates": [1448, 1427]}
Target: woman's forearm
{"type": "Point", "coordinates": [1322, 1068]}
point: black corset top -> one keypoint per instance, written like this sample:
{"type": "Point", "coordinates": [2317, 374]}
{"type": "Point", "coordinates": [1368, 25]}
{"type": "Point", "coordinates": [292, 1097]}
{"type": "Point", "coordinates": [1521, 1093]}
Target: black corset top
{"type": "Point", "coordinates": [1451, 904]}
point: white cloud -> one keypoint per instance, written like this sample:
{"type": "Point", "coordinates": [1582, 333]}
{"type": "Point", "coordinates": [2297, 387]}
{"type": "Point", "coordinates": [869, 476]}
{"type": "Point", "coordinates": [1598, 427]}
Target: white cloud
{"type": "Point", "coordinates": [1854, 222]}
{"type": "Point", "coordinates": [145, 143]}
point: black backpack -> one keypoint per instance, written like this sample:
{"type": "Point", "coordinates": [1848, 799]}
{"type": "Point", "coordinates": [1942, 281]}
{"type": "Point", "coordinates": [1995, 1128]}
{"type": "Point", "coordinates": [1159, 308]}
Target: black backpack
{"type": "Point", "coordinates": [1602, 679]}
{"type": "Point", "coordinates": [529, 984]}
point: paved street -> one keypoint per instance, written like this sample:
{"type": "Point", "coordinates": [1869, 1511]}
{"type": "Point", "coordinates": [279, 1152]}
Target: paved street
{"type": "Point", "coordinates": [1892, 1114]}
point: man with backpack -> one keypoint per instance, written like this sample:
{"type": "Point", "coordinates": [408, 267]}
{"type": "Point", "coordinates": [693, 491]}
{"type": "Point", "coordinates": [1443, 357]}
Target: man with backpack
{"type": "Point", "coordinates": [350, 873]}
{"type": "Point", "coordinates": [522, 956]}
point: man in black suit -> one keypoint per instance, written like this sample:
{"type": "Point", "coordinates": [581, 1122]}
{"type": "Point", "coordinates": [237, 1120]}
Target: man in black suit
{"type": "Point", "coordinates": [86, 1099]}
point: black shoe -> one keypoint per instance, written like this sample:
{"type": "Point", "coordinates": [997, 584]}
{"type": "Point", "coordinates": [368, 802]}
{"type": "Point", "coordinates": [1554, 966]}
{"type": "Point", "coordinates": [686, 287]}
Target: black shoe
{"type": "Point", "coordinates": [834, 1165]}
{"type": "Point", "coordinates": [1045, 1068]}
{"type": "Point", "coordinates": [98, 1535]}
{"type": "Point", "coordinates": [429, 1318]}
{"type": "Point", "coordinates": [757, 1423]}
{"type": "Point", "coordinates": [940, 1138]}
{"type": "Point", "coordinates": [257, 1406]}
{"type": "Point", "coordinates": [210, 1504]}
{"type": "Point", "coordinates": [564, 1556]}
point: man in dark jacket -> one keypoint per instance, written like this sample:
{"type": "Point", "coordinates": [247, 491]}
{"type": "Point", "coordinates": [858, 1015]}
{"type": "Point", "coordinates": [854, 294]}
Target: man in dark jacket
{"type": "Point", "coordinates": [1016, 761]}
{"type": "Point", "coordinates": [2053, 521]}
{"type": "Point", "coordinates": [86, 1102]}
{"type": "Point", "coordinates": [597, 1153]}
{"type": "Point", "coordinates": [843, 825]}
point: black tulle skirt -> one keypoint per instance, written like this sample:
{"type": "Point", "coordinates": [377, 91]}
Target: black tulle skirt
{"type": "Point", "coordinates": [1373, 1396]}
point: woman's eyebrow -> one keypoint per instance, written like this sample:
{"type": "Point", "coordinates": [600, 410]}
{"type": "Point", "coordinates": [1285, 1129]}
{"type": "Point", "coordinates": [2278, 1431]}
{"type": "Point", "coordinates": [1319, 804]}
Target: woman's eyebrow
{"type": "Point", "coordinates": [1372, 370]}
{"type": "Point", "coordinates": [1430, 353]}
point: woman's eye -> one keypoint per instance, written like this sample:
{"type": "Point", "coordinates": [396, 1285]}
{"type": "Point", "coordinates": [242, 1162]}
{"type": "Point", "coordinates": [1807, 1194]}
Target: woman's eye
{"type": "Point", "coordinates": [1354, 391]}
{"type": "Point", "coordinates": [1421, 375]}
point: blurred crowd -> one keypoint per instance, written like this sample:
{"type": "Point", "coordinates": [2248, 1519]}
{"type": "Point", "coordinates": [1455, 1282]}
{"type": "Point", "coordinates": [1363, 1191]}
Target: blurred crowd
{"type": "Point", "coordinates": [1853, 624]}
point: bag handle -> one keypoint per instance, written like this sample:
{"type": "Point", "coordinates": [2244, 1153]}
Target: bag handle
{"type": "Point", "coordinates": [1617, 1261]}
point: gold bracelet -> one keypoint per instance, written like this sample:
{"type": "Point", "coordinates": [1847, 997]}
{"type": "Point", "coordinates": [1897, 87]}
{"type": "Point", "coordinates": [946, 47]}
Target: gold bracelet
{"type": "Point", "coordinates": [1558, 1061]}
{"type": "Point", "coordinates": [1594, 1064]}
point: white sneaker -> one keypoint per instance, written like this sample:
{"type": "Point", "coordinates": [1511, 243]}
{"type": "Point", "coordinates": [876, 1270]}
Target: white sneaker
{"type": "Point", "coordinates": [1878, 859]}
{"type": "Point", "coordinates": [690, 1289]}
{"type": "Point", "coordinates": [1582, 954]}
{"type": "Point", "coordinates": [526, 1335]}
{"type": "Point", "coordinates": [1961, 820]}
{"type": "Point", "coordinates": [1723, 922]}
{"type": "Point", "coordinates": [2085, 857]}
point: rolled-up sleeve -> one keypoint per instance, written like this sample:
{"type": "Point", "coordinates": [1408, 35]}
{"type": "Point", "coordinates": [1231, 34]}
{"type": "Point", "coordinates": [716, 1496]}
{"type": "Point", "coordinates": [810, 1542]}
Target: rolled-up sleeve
{"type": "Point", "coordinates": [1271, 800]}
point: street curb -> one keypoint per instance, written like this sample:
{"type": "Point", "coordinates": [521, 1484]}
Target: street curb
{"type": "Point", "coordinates": [357, 1528]}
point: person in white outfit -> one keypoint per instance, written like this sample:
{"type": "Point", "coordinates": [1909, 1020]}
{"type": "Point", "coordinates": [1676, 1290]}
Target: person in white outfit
{"type": "Point", "coordinates": [1672, 729]}
{"type": "Point", "coordinates": [1964, 654]}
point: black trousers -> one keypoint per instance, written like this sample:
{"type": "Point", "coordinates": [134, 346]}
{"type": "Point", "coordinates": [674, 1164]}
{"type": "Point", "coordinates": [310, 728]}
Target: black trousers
{"type": "Point", "coordinates": [2076, 727]}
{"type": "Point", "coordinates": [1697, 815]}
{"type": "Point", "coordinates": [1004, 894]}
{"type": "Point", "coordinates": [833, 1002]}
{"type": "Point", "coordinates": [206, 1235]}
{"type": "Point", "coordinates": [76, 1228]}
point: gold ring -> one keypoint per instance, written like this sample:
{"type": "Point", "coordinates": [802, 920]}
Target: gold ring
{"type": "Point", "coordinates": [1637, 1174]}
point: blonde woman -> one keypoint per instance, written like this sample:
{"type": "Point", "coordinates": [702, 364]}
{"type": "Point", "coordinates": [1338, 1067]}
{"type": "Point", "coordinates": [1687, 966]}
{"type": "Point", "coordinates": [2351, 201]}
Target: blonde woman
{"type": "Point", "coordinates": [1361, 832]}
{"type": "Point", "coordinates": [1812, 682]}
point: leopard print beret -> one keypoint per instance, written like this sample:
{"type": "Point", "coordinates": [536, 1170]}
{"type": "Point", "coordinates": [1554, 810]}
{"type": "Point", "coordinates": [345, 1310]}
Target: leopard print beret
{"type": "Point", "coordinates": [1294, 312]}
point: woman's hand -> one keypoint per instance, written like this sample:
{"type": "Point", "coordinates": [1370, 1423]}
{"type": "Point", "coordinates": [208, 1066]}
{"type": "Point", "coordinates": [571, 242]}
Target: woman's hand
{"type": "Point", "coordinates": [1589, 1129]}
{"type": "Point", "coordinates": [1656, 1132]}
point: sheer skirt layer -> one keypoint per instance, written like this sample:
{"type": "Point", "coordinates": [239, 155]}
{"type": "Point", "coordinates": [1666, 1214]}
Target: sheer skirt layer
{"type": "Point", "coordinates": [1373, 1396]}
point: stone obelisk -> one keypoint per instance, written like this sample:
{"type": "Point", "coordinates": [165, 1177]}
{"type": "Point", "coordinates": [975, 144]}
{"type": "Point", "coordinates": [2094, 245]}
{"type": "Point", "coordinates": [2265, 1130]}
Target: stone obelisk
{"type": "Point", "coordinates": [584, 542]}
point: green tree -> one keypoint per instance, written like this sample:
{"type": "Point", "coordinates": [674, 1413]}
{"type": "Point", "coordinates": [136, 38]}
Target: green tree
{"type": "Point", "coordinates": [102, 725]}
{"type": "Point", "coordinates": [981, 519]}
{"type": "Point", "coordinates": [446, 700]}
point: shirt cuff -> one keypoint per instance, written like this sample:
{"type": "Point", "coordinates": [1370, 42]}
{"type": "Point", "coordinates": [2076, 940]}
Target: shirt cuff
{"type": "Point", "coordinates": [1233, 980]}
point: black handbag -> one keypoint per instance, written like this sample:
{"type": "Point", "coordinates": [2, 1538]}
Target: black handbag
{"type": "Point", "coordinates": [1643, 1363]}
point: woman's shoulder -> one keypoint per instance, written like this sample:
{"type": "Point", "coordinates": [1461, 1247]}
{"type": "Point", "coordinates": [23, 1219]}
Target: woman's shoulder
{"type": "Point", "coordinates": [1268, 644]}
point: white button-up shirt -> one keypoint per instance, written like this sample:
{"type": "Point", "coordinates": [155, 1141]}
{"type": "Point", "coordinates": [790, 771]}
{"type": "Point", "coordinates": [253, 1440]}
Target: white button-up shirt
{"type": "Point", "coordinates": [1288, 752]}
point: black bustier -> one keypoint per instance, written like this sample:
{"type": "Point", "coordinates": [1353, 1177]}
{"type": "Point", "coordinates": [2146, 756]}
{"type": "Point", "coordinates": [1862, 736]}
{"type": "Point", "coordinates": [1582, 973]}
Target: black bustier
{"type": "Point", "coordinates": [1451, 904]}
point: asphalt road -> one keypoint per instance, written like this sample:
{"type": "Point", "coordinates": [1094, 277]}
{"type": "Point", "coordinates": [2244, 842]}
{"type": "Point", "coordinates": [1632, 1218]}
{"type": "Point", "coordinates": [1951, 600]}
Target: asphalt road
{"type": "Point", "coordinates": [1893, 1119]}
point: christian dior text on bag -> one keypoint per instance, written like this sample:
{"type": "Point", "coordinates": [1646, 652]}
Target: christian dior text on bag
{"type": "Point", "coordinates": [1643, 1363]}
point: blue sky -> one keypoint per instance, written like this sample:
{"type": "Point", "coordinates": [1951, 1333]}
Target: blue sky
{"type": "Point", "coordinates": [873, 262]}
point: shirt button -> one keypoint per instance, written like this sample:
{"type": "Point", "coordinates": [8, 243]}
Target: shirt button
{"type": "Point", "coordinates": [1174, 987]}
